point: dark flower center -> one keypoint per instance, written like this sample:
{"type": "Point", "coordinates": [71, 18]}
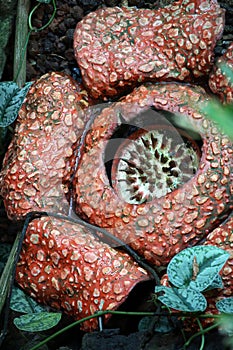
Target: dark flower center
{"type": "Point", "coordinates": [152, 163]}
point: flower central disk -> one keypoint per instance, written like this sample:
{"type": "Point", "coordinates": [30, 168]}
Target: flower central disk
{"type": "Point", "coordinates": [152, 163]}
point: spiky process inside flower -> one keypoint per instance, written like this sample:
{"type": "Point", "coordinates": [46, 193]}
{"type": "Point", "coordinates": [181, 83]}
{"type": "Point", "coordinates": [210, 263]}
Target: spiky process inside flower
{"type": "Point", "coordinates": [153, 163]}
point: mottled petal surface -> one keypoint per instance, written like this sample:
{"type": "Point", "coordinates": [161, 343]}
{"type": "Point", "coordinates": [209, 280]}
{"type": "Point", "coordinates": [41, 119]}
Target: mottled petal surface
{"type": "Point", "coordinates": [159, 228]}
{"type": "Point", "coordinates": [219, 81]}
{"type": "Point", "coordinates": [36, 171]}
{"type": "Point", "coordinates": [118, 48]}
{"type": "Point", "coordinates": [65, 266]}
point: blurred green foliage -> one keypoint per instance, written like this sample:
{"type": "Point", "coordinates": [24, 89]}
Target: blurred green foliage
{"type": "Point", "coordinates": [222, 114]}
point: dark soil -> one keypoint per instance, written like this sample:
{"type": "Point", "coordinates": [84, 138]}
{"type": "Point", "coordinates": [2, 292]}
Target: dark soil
{"type": "Point", "coordinates": [52, 50]}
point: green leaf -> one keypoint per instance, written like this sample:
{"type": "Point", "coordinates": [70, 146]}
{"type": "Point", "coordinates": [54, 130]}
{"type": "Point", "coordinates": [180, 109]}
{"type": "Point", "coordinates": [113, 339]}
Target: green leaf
{"type": "Point", "coordinates": [220, 114]}
{"type": "Point", "coordinates": [161, 324]}
{"type": "Point", "coordinates": [209, 261]}
{"type": "Point", "coordinates": [225, 305]}
{"type": "Point", "coordinates": [37, 322]}
{"type": "Point", "coordinates": [11, 99]}
{"type": "Point", "coordinates": [21, 302]}
{"type": "Point", "coordinates": [217, 283]}
{"type": "Point", "coordinates": [165, 324]}
{"type": "Point", "coordinates": [145, 323]}
{"type": "Point", "coordinates": [182, 299]}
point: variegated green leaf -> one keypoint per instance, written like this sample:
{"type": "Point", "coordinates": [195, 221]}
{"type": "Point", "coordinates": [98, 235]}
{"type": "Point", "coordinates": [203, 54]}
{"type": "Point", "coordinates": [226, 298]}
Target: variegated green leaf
{"type": "Point", "coordinates": [196, 267]}
{"type": "Point", "coordinates": [225, 305]}
{"type": "Point", "coordinates": [36, 322]}
{"type": "Point", "coordinates": [21, 302]}
{"type": "Point", "coordinates": [11, 99]}
{"type": "Point", "coordinates": [182, 299]}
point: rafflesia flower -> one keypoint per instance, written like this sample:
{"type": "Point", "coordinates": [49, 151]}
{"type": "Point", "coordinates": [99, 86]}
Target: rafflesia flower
{"type": "Point", "coordinates": [58, 157]}
{"type": "Point", "coordinates": [67, 267]}
{"type": "Point", "coordinates": [36, 170]}
{"type": "Point", "coordinates": [190, 207]}
{"type": "Point", "coordinates": [119, 48]}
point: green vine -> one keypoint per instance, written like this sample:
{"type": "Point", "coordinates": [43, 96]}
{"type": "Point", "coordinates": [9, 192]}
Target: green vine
{"type": "Point", "coordinates": [34, 29]}
{"type": "Point", "coordinates": [98, 314]}
{"type": "Point", "coordinates": [203, 331]}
